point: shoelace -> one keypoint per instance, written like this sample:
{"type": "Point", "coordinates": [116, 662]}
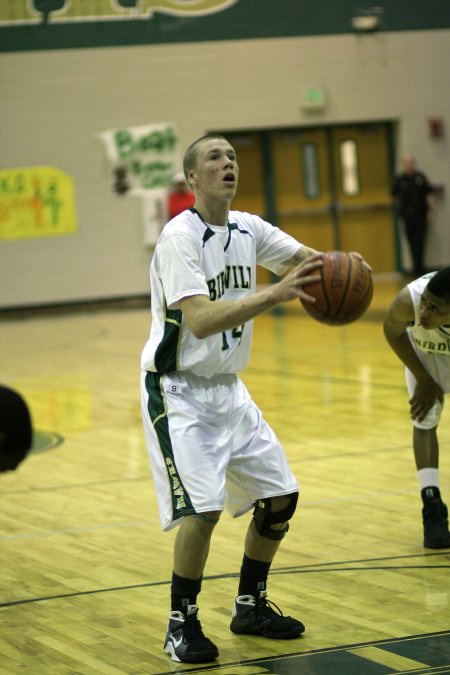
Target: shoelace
{"type": "Point", "coordinates": [192, 627]}
{"type": "Point", "coordinates": [265, 608]}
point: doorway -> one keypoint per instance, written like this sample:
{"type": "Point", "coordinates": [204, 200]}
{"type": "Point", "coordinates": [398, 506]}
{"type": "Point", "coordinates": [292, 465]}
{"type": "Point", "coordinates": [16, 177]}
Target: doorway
{"type": "Point", "coordinates": [329, 187]}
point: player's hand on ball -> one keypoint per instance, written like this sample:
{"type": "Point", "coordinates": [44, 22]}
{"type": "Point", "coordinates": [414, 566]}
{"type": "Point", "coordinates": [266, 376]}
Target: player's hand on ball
{"type": "Point", "coordinates": [307, 272]}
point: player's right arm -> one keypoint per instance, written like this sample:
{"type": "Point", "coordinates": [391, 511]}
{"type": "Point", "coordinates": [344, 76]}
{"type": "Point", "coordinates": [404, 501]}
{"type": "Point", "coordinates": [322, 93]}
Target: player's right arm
{"type": "Point", "coordinates": [205, 317]}
{"type": "Point", "coordinates": [399, 316]}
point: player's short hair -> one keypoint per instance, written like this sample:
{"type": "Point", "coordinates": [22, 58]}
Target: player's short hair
{"type": "Point", "coordinates": [190, 156]}
{"type": "Point", "coordinates": [439, 284]}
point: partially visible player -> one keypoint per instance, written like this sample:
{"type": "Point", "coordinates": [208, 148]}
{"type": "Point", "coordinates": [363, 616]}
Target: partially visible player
{"type": "Point", "coordinates": [208, 442]}
{"type": "Point", "coordinates": [417, 327]}
{"type": "Point", "coordinates": [15, 429]}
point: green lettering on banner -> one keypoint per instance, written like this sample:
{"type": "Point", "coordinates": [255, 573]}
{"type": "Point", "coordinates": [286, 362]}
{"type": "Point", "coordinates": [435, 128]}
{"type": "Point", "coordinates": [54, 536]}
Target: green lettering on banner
{"type": "Point", "coordinates": [155, 141]}
{"type": "Point", "coordinates": [148, 154]}
{"type": "Point", "coordinates": [152, 175]}
{"type": "Point", "coordinates": [124, 143]}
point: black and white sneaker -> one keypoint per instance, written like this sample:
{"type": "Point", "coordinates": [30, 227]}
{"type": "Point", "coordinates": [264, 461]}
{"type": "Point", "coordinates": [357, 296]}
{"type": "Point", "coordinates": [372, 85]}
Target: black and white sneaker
{"type": "Point", "coordinates": [435, 519]}
{"type": "Point", "coordinates": [255, 616]}
{"type": "Point", "coordinates": [185, 640]}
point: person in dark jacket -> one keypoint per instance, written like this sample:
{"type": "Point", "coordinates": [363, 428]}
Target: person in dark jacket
{"type": "Point", "coordinates": [414, 200]}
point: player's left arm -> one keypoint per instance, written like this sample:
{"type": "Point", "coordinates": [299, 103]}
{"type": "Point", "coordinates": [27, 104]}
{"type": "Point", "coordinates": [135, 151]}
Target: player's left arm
{"type": "Point", "coordinates": [301, 254]}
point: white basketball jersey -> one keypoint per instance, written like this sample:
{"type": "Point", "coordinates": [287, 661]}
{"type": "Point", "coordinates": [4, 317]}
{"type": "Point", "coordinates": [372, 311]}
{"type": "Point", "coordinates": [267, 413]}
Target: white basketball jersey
{"type": "Point", "coordinates": [195, 258]}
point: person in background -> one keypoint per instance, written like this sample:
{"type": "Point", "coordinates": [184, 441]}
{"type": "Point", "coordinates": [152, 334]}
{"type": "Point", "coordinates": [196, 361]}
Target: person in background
{"type": "Point", "coordinates": [417, 327]}
{"type": "Point", "coordinates": [15, 429]}
{"type": "Point", "coordinates": [209, 445]}
{"type": "Point", "coordinates": [414, 200]}
{"type": "Point", "coordinates": [180, 197]}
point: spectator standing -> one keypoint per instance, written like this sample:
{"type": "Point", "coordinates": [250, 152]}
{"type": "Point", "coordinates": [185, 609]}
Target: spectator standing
{"type": "Point", "coordinates": [414, 200]}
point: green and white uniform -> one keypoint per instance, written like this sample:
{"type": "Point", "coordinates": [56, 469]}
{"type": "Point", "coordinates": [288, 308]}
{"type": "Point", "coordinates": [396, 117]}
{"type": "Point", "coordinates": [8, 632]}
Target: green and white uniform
{"type": "Point", "coordinates": [208, 443]}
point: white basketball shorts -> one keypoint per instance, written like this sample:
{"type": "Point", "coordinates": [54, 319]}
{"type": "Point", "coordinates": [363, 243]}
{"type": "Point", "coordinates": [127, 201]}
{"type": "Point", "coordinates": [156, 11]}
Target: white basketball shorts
{"type": "Point", "coordinates": [209, 446]}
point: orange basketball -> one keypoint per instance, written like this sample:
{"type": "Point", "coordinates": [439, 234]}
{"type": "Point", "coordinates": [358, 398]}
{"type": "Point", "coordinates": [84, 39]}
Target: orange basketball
{"type": "Point", "coordinates": [344, 291]}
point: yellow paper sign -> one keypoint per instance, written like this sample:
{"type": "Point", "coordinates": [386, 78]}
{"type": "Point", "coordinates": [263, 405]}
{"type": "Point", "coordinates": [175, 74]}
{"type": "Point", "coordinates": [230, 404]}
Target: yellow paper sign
{"type": "Point", "coordinates": [36, 201]}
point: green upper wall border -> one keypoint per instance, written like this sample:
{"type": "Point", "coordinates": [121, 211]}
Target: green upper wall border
{"type": "Point", "coordinates": [246, 19]}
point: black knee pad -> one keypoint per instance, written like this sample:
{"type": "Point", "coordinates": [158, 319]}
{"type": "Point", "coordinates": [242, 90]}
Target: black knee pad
{"type": "Point", "coordinates": [264, 517]}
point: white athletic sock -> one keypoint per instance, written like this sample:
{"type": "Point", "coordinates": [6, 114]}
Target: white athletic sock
{"type": "Point", "coordinates": [428, 478]}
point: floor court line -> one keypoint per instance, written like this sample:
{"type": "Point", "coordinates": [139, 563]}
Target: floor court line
{"type": "Point", "coordinates": [330, 567]}
{"type": "Point", "coordinates": [380, 657]}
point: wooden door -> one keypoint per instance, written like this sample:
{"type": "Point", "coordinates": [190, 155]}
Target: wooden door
{"type": "Point", "coordinates": [363, 205]}
{"type": "Point", "coordinates": [302, 186]}
{"type": "Point", "coordinates": [328, 187]}
{"type": "Point", "coordinates": [250, 196]}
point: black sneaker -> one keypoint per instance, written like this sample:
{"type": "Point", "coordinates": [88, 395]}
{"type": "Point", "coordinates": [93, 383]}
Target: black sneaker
{"type": "Point", "coordinates": [185, 640]}
{"type": "Point", "coordinates": [435, 519]}
{"type": "Point", "coordinates": [255, 616]}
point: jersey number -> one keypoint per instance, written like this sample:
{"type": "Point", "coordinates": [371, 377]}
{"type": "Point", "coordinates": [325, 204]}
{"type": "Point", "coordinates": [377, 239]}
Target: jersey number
{"type": "Point", "coordinates": [236, 334]}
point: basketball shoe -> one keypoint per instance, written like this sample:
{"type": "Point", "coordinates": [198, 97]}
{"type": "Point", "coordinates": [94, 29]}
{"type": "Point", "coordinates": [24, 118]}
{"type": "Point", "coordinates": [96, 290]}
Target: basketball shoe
{"type": "Point", "coordinates": [255, 616]}
{"type": "Point", "coordinates": [185, 640]}
{"type": "Point", "coordinates": [435, 519]}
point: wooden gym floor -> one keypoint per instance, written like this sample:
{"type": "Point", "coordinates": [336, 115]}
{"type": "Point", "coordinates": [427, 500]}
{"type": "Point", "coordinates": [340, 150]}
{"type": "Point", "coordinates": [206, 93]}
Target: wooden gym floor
{"type": "Point", "coordinates": [85, 568]}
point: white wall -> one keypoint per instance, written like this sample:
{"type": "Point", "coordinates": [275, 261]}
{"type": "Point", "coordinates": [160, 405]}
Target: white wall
{"type": "Point", "coordinates": [53, 104]}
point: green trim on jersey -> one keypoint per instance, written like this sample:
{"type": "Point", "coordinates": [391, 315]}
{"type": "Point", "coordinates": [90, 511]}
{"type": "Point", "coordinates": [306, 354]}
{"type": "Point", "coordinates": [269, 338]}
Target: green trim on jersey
{"type": "Point", "coordinates": [166, 355]}
{"type": "Point", "coordinates": [156, 405]}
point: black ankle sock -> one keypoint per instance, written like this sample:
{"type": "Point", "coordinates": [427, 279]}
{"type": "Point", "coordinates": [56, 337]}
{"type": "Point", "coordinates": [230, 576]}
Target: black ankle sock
{"type": "Point", "coordinates": [184, 592]}
{"type": "Point", "coordinates": [253, 577]}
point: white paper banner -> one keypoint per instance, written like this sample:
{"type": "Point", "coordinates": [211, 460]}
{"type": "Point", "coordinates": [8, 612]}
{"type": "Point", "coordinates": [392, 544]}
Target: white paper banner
{"type": "Point", "coordinates": [142, 158]}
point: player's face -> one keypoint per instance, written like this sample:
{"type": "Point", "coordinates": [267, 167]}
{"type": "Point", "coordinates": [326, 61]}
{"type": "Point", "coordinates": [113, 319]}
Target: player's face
{"type": "Point", "coordinates": [216, 169]}
{"type": "Point", "coordinates": [434, 311]}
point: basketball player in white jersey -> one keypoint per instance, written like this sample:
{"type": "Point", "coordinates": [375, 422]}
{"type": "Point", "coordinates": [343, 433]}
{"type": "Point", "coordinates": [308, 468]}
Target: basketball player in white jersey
{"type": "Point", "coordinates": [417, 327]}
{"type": "Point", "coordinates": [209, 445]}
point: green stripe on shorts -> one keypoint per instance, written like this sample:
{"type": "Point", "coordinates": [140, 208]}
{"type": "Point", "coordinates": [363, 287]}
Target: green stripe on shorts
{"type": "Point", "coordinates": [181, 503]}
